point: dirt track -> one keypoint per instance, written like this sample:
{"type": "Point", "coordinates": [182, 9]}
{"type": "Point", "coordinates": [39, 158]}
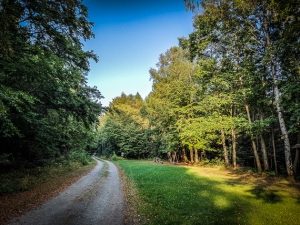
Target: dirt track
{"type": "Point", "coordinates": [96, 198]}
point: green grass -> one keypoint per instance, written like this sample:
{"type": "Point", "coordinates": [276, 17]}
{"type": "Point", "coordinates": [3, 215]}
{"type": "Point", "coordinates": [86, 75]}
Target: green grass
{"type": "Point", "coordinates": [194, 195]}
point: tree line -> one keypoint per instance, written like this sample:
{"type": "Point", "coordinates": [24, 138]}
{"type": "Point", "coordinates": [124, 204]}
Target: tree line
{"type": "Point", "coordinates": [229, 92]}
{"type": "Point", "coordinates": [47, 110]}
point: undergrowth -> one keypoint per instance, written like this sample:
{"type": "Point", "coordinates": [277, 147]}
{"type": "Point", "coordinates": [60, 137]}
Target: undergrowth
{"type": "Point", "coordinates": [41, 184]}
{"type": "Point", "coordinates": [22, 179]}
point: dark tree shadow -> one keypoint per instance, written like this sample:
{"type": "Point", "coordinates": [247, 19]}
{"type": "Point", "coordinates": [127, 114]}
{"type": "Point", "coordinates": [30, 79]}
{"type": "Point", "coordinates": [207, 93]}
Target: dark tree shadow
{"type": "Point", "coordinates": [268, 196]}
{"type": "Point", "coordinates": [298, 200]}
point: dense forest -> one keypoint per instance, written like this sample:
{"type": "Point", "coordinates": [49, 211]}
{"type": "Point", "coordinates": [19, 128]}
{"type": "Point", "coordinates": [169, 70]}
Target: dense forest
{"type": "Point", "coordinates": [47, 110]}
{"type": "Point", "coordinates": [227, 94]}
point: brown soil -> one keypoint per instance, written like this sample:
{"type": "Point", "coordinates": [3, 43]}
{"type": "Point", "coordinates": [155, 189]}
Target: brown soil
{"type": "Point", "coordinates": [13, 205]}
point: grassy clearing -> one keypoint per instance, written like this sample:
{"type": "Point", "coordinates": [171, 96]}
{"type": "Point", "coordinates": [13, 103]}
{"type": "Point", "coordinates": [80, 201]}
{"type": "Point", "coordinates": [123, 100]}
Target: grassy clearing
{"type": "Point", "coordinates": [23, 190]}
{"type": "Point", "coordinates": [202, 195]}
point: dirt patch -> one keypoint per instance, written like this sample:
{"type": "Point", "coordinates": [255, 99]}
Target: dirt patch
{"type": "Point", "coordinates": [13, 205]}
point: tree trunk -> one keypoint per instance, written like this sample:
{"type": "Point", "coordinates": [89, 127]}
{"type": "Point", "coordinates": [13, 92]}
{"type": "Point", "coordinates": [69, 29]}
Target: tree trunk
{"type": "Point", "coordinates": [273, 73]}
{"type": "Point", "coordinates": [274, 153]}
{"type": "Point", "coordinates": [263, 147]}
{"type": "Point", "coordinates": [253, 143]}
{"type": "Point", "coordinates": [296, 161]}
{"type": "Point", "coordinates": [287, 147]}
{"type": "Point", "coordinates": [192, 155]}
{"type": "Point", "coordinates": [296, 158]}
{"type": "Point", "coordinates": [264, 151]}
{"type": "Point", "coordinates": [174, 155]}
{"type": "Point", "coordinates": [196, 155]}
{"type": "Point", "coordinates": [233, 135]}
{"type": "Point", "coordinates": [185, 159]}
{"type": "Point", "coordinates": [169, 156]}
{"type": "Point", "coordinates": [233, 149]}
{"type": "Point", "coordinates": [225, 152]}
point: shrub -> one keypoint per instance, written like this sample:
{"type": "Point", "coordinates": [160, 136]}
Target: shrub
{"type": "Point", "coordinates": [114, 157]}
{"type": "Point", "coordinates": [81, 157]}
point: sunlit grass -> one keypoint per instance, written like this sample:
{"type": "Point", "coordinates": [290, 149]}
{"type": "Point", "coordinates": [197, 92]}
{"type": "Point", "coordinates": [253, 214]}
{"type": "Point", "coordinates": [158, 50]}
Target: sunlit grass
{"type": "Point", "coordinates": [194, 195]}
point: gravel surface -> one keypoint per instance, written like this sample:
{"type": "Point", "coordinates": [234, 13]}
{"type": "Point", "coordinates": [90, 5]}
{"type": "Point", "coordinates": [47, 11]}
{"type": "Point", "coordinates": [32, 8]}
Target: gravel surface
{"type": "Point", "coordinates": [96, 198]}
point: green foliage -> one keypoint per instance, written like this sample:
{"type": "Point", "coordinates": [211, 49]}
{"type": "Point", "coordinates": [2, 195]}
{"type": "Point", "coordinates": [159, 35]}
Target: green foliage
{"type": "Point", "coordinates": [21, 180]}
{"type": "Point", "coordinates": [246, 58]}
{"type": "Point", "coordinates": [123, 128]}
{"type": "Point", "coordinates": [114, 157]}
{"type": "Point", "coordinates": [46, 108]}
{"type": "Point", "coordinates": [81, 157]}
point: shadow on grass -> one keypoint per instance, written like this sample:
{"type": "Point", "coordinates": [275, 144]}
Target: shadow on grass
{"type": "Point", "coordinates": [298, 200]}
{"type": "Point", "coordinates": [172, 195]}
{"type": "Point", "coordinates": [268, 196]}
{"type": "Point", "coordinates": [175, 195]}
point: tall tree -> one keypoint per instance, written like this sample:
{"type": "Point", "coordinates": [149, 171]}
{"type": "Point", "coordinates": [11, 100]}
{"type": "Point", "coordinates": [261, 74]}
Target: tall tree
{"type": "Point", "coordinates": [43, 72]}
{"type": "Point", "coordinates": [258, 36]}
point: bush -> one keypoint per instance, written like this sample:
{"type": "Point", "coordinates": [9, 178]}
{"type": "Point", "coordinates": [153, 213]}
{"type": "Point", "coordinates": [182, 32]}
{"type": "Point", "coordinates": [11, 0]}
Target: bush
{"type": "Point", "coordinates": [217, 161]}
{"type": "Point", "coordinates": [81, 157]}
{"type": "Point", "coordinates": [114, 157]}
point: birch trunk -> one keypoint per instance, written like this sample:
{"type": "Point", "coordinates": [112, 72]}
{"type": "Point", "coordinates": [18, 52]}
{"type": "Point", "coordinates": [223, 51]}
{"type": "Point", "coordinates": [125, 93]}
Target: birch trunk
{"type": "Point", "coordinates": [273, 73]}
{"type": "Point", "coordinates": [287, 146]}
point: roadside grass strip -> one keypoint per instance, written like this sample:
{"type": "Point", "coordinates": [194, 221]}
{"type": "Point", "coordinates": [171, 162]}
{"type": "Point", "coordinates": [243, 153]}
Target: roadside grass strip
{"type": "Point", "coordinates": [24, 190]}
{"type": "Point", "coordinates": [195, 195]}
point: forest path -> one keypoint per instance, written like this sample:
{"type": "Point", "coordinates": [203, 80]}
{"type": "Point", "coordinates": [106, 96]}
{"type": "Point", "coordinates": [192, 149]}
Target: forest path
{"type": "Point", "coordinates": [96, 198]}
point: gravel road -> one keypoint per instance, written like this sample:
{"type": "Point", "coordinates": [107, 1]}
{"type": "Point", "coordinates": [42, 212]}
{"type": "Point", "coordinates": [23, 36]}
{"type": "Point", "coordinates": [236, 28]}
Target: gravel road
{"type": "Point", "coordinates": [96, 198]}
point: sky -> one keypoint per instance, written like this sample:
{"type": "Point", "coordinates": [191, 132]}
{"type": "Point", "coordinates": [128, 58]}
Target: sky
{"type": "Point", "coordinates": [129, 37]}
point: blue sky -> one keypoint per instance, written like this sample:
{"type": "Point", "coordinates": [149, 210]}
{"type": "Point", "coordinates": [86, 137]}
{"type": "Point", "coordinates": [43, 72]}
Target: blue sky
{"type": "Point", "coordinates": [129, 37]}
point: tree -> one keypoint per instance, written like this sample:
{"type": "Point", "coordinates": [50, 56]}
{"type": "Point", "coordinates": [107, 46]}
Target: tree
{"type": "Point", "coordinates": [123, 128]}
{"type": "Point", "coordinates": [44, 97]}
{"type": "Point", "coordinates": [257, 38]}
{"type": "Point", "coordinates": [173, 90]}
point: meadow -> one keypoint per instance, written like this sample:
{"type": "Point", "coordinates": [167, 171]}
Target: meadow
{"type": "Point", "coordinates": [172, 194]}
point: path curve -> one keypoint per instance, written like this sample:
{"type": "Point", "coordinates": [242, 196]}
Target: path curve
{"type": "Point", "coordinates": [96, 198]}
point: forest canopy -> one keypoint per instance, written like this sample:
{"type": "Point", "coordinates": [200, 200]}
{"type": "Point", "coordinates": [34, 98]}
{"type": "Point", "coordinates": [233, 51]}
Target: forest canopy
{"type": "Point", "coordinates": [229, 93]}
{"type": "Point", "coordinates": [46, 107]}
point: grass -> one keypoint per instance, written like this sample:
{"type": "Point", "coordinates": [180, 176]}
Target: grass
{"type": "Point", "coordinates": [23, 190]}
{"type": "Point", "coordinates": [201, 195]}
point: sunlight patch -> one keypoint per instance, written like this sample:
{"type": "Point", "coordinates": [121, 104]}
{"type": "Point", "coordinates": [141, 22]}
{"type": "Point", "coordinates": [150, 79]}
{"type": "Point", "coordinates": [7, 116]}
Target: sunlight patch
{"type": "Point", "coordinates": [221, 202]}
{"type": "Point", "coordinates": [204, 193]}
